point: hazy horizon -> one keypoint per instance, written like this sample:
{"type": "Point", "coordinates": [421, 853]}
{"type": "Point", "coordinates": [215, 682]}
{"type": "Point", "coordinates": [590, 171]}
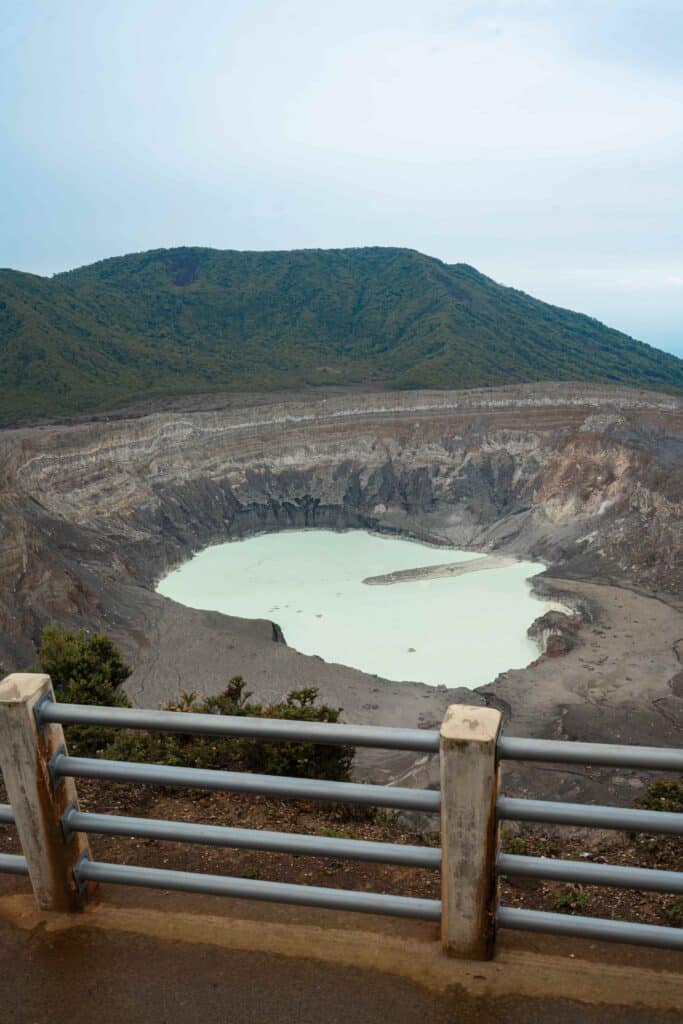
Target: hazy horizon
{"type": "Point", "coordinates": [539, 143]}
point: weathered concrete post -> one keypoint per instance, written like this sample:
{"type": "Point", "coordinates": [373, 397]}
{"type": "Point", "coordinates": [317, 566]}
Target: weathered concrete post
{"type": "Point", "coordinates": [25, 752]}
{"type": "Point", "coordinates": [469, 786]}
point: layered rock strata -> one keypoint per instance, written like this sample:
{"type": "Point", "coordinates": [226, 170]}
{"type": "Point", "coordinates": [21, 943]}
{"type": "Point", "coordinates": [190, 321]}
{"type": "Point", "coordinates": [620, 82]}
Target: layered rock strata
{"type": "Point", "coordinates": [589, 480]}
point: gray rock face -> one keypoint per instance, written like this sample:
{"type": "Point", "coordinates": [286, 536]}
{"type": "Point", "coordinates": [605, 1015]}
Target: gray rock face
{"type": "Point", "coordinates": [530, 471]}
{"type": "Point", "coordinates": [588, 479]}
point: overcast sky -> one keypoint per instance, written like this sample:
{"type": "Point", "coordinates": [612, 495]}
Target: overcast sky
{"type": "Point", "coordinates": [541, 142]}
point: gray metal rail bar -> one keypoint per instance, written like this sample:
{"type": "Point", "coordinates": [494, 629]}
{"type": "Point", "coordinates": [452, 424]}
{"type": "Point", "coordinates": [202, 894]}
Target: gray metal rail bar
{"type": "Point", "coordinates": [242, 782]}
{"type": "Point", "coordinates": [271, 892]}
{"type": "Point", "coordinates": [595, 816]}
{"type": "Point", "coordinates": [6, 815]}
{"type": "Point", "coordinates": [590, 928]}
{"type": "Point", "coordinates": [513, 748]}
{"type": "Point", "coordinates": [644, 879]}
{"type": "Point", "coordinates": [13, 864]}
{"type": "Point", "coordinates": [268, 729]}
{"type": "Point", "coordinates": [391, 738]}
{"type": "Point", "coordinates": [251, 839]}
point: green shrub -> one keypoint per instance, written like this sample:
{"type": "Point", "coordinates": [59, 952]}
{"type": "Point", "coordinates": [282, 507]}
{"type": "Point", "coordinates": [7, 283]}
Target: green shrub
{"type": "Point", "coordinates": [674, 912]}
{"type": "Point", "coordinates": [85, 669]}
{"type": "Point", "coordinates": [341, 833]}
{"type": "Point", "coordinates": [572, 900]}
{"type": "Point", "coordinates": [304, 760]}
{"type": "Point", "coordinates": [515, 845]}
{"type": "Point", "coordinates": [89, 669]}
{"type": "Point", "coordinates": [660, 795]}
{"type": "Point", "coordinates": [663, 795]}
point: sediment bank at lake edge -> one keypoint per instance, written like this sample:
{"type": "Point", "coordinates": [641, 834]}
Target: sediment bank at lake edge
{"type": "Point", "coordinates": [444, 571]}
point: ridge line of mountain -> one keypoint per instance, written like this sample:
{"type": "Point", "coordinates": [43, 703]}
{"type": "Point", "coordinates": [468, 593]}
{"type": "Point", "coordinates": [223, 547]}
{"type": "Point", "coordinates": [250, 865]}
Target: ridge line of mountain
{"type": "Point", "coordinates": [184, 321]}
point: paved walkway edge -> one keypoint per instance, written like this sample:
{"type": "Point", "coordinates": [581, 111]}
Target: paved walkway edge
{"type": "Point", "coordinates": [512, 972]}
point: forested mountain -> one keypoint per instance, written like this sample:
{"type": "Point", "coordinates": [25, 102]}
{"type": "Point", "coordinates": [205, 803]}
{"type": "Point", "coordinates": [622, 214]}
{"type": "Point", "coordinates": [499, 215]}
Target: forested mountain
{"type": "Point", "coordinates": [178, 321]}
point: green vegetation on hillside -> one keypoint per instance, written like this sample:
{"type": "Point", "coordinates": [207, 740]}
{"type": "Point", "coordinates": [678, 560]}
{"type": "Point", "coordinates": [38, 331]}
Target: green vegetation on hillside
{"type": "Point", "coordinates": [181, 321]}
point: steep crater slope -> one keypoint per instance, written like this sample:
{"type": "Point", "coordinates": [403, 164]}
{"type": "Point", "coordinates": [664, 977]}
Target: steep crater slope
{"type": "Point", "coordinates": [588, 479]}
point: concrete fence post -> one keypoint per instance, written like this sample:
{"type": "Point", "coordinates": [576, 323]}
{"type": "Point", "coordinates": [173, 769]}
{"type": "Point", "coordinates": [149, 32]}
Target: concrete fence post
{"type": "Point", "coordinates": [469, 787]}
{"type": "Point", "coordinates": [25, 753]}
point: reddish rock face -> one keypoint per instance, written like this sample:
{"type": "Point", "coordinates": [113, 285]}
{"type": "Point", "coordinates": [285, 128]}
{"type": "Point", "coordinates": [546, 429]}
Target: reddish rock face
{"type": "Point", "coordinates": [556, 632]}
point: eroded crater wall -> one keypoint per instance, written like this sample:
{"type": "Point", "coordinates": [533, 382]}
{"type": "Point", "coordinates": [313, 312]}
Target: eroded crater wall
{"type": "Point", "coordinates": [589, 480]}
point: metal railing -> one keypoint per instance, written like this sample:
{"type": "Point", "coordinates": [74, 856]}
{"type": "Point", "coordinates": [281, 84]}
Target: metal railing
{"type": "Point", "coordinates": [427, 800]}
{"type": "Point", "coordinates": [267, 729]}
{"type": "Point", "coordinates": [553, 812]}
{"type": "Point", "coordinates": [615, 755]}
{"type": "Point", "coordinates": [270, 892]}
{"type": "Point", "coordinates": [251, 839]}
{"type": "Point", "coordinates": [10, 863]}
{"type": "Point", "coordinates": [592, 816]}
{"type": "Point", "coordinates": [61, 766]}
{"type": "Point", "coordinates": [50, 714]}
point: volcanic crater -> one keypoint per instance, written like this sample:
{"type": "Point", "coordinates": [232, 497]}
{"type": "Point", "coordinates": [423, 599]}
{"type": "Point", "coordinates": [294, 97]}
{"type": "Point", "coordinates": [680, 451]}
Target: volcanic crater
{"type": "Point", "coordinates": [588, 479]}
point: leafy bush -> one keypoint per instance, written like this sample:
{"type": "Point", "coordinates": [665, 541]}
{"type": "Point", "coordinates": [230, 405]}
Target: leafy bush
{"type": "Point", "coordinates": [304, 760]}
{"type": "Point", "coordinates": [89, 669]}
{"type": "Point", "coordinates": [85, 669]}
{"type": "Point", "coordinates": [663, 795]}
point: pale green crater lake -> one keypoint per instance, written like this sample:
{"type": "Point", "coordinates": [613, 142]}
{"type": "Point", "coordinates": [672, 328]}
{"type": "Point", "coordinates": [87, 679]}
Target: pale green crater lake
{"type": "Point", "coordinates": [459, 631]}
